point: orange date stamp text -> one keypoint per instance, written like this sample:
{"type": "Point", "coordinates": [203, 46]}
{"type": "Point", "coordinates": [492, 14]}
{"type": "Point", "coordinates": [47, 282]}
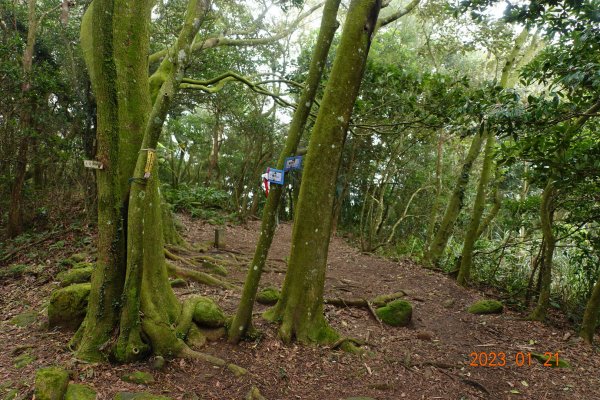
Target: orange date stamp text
{"type": "Point", "coordinates": [493, 359]}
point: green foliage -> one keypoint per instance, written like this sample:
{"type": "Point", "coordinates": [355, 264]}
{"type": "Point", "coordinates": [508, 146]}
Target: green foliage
{"type": "Point", "coordinates": [199, 201]}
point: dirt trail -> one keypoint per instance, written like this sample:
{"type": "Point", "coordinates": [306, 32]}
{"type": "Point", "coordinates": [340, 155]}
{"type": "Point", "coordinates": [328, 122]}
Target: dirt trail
{"type": "Point", "coordinates": [427, 360]}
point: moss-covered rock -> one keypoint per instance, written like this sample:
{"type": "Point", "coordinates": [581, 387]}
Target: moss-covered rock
{"type": "Point", "coordinates": [75, 275]}
{"type": "Point", "coordinates": [23, 360]}
{"type": "Point", "coordinates": [77, 391]}
{"type": "Point", "coordinates": [178, 282]}
{"type": "Point", "coordinates": [395, 313]}
{"type": "Point", "coordinates": [158, 363]}
{"type": "Point", "coordinates": [139, 377]}
{"type": "Point", "coordinates": [79, 257]}
{"type": "Point", "coordinates": [268, 296]}
{"type": "Point", "coordinates": [139, 396]}
{"type": "Point", "coordinates": [51, 383]}
{"type": "Point", "coordinates": [68, 306]}
{"type": "Point", "coordinates": [83, 264]}
{"type": "Point", "coordinates": [486, 307]}
{"type": "Point", "coordinates": [208, 313]}
{"type": "Point", "coordinates": [25, 319]}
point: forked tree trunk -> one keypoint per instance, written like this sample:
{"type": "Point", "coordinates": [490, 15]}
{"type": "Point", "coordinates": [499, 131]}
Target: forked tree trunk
{"type": "Point", "coordinates": [464, 273]}
{"type": "Point", "coordinates": [243, 317]}
{"type": "Point", "coordinates": [130, 288]}
{"type": "Point", "coordinates": [455, 204]}
{"type": "Point", "coordinates": [300, 309]}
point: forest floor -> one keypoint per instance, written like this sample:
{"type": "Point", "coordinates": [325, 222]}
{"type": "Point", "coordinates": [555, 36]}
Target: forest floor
{"type": "Point", "coordinates": [429, 359]}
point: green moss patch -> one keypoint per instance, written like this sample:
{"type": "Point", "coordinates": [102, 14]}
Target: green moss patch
{"type": "Point", "coordinates": [23, 360]}
{"type": "Point", "coordinates": [78, 257]}
{"type": "Point", "coordinates": [486, 307]}
{"type": "Point", "coordinates": [268, 296]}
{"type": "Point", "coordinates": [139, 377]}
{"type": "Point", "coordinates": [208, 313]}
{"type": "Point", "coordinates": [68, 306]}
{"type": "Point", "coordinates": [83, 264]}
{"type": "Point", "coordinates": [395, 313]}
{"type": "Point", "coordinates": [51, 383]}
{"type": "Point", "coordinates": [551, 360]}
{"type": "Point", "coordinates": [77, 391]}
{"type": "Point", "coordinates": [75, 275]}
{"type": "Point", "coordinates": [139, 396]}
{"type": "Point", "coordinates": [25, 319]}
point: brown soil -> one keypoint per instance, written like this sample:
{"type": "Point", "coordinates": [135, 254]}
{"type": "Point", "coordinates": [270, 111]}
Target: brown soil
{"type": "Point", "coordinates": [430, 359]}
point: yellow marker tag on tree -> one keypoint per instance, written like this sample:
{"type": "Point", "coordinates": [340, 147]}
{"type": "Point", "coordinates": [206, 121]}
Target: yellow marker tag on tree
{"type": "Point", "coordinates": [149, 163]}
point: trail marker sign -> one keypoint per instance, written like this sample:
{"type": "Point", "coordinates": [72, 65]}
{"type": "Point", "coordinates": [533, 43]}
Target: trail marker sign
{"type": "Point", "coordinates": [294, 162]}
{"type": "Point", "coordinates": [275, 175]}
{"type": "Point", "coordinates": [93, 164]}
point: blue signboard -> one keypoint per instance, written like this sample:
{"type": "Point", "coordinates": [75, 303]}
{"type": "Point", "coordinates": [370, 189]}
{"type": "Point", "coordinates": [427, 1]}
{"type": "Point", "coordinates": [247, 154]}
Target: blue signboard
{"type": "Point", "coordinates": [275, 176]}
{"type": "Point", "coordinates": [294, 162]}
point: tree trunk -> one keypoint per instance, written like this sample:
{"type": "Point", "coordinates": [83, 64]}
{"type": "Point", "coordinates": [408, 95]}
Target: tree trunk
{"type": "Point", "coordinates": [546, 213]}
{"type": "Point", "coordinates": [464, 273]}
{"type": "Point", "coordinates": [438, 189]}
{"type": "Point", "coordinates": [590, 316]}
{"type": "Point", "coordinates": [213, 172]}
{"type": "Point", "coordinates": [243, 317]}
{"type": "Point", "coordinates": [337, 208]}
{"type": "Point", "coordinates": [455, 204]}
{"type": "Point", "coordinates": [15, 210]}
{"type": "Point", "coordinates": [107, 278]}
{"type": "Point", "coordinates": [130, 247]}
{"type": "Point", "coordinates": [300, 308]}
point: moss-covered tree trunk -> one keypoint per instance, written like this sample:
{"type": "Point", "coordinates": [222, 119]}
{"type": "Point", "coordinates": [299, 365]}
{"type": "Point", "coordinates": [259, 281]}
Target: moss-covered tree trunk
{"type": "Point", "coordinates": [107, 279]}
{"type": "Point", "coordinates": [130, 288]}
{"type": "Point", "coordinates": [590, 316]}
{"type": "Point", "coordinates": [546, 213]}
{"type": "Point", "coordinates": [464, 273]}
{"type": "Point", "coordinates": [300, 308]}
{"type": "Point", "coordinates": [243, 317]}
{"type": "Point", "coordinates": [455, 204]}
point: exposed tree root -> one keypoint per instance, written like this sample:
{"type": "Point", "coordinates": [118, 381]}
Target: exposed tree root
{"type": "Point", "coordinates": [187, 352]}
{"type": "Point", "coordinates": [378, 301]}
{"type": "Point", "coordinates": [348, 344]}
{"type": "Point", "coordinates": [198, 276]}
{"type": "Point", "coordinates": [193, 260]}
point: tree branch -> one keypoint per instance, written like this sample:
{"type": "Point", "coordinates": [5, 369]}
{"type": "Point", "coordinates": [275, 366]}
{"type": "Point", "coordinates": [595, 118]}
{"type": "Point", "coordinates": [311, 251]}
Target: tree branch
{"type": "Point", "coordinates": [383, 21]}
{"type": "Point", "coordinates": [217, 41]}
